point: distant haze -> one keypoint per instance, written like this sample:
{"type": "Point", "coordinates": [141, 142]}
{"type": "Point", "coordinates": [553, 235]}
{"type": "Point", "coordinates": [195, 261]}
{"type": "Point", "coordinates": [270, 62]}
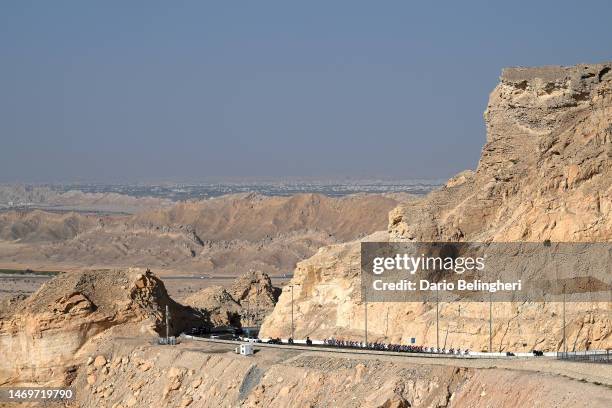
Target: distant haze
{"type": "Point", "coordinates": [143, 91]}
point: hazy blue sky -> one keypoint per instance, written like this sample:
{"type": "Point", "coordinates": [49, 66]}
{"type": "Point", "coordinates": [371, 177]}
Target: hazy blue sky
{"type": "Point", "coordinates": [143, 90]}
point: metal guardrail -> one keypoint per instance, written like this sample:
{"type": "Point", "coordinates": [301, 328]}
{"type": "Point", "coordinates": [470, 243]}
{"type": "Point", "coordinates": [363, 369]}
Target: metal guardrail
{"type": "Point", "coordinates": [588, 356]}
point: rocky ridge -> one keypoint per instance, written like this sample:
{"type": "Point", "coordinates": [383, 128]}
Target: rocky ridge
{"type": "Point", "coordinates": [45, 333]}
{"type": "Point", "coordinates": [223, 236]}
{"type": "Point", "coordinates": [544, 174]}
{"type": "Point", "coordinates": [249, 300]}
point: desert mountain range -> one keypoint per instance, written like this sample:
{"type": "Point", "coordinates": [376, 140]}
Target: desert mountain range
{"type": "Point", "coordinates": [228, 235]}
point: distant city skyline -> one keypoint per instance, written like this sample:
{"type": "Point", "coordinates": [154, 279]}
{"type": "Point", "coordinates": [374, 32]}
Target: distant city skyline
{"type": "Point", "coordinates": [42, 196]}
{"type": "Point", "coordinates": [155, 91]}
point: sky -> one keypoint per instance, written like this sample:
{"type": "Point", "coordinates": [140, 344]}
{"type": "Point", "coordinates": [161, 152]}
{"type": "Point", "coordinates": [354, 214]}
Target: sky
{"type": "Point", "coordinates": [144, 91]}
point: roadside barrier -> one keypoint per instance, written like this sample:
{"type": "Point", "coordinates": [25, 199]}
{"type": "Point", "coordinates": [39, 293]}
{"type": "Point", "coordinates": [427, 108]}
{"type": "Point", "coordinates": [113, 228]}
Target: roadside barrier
{"type": "Point", "coordinates": [317, 346]}
{"type": "Point", "coordinates": [589, 356]}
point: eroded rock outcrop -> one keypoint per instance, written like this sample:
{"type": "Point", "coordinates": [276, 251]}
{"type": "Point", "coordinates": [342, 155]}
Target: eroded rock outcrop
{"type": "Point", "coordinates": [254, 291]}
{"type": "Point", "coordinates": [544, 173]}
{"type": "Point", "coordinates": [249, 300]}
{"type": "Point", "coordinates": [44, 334]}
{"type": "Point", "coordinates": [216, 301]}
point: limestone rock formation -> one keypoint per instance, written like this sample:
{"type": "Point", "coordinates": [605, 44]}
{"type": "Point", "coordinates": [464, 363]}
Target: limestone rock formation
{"type": "Point", "coordinates": [544, 173]}
{"type": "Point", "coordinates": [254, 291]}
{"type": "Point", "coordinates": [250, 298]}
{"type": "Point", "coordinates": [545, 169]}
{"type": "Point", "coordinates": [8, 304]}
{"type": "Point", "coordinates": [45, 333]}
{"type": "Point", "coordinates": [220, 306]}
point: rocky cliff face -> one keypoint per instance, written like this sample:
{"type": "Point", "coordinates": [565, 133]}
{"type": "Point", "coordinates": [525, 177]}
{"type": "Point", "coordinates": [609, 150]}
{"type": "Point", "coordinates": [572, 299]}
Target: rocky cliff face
{"type": "Point", "coordinates": [544, 173]}
{"type": "Point", "coordinates": [44, 333]}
